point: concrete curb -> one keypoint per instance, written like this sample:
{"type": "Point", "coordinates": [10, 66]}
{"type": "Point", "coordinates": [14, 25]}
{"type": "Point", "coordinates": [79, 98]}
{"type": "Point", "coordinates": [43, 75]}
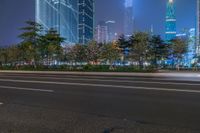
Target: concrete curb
{"type": "Point", "coordinates": [162, 74]}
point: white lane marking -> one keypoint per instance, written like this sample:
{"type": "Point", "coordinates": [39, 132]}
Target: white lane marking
{"type": "Point", "coordinates": [122, 81]}
{"type": "Point", "coordinates": [1, 103]}
{"type": "Point", "coordinates": [128, 81]}
{"type": "Point", "coordinates": [26, 89]}
{"type": "Point", "coordinates": [103, 85]}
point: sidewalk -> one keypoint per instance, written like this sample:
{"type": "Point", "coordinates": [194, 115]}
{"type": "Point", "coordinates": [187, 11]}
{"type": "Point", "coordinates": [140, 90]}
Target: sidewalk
{"type": "Point", "coordinates": [158, 74]}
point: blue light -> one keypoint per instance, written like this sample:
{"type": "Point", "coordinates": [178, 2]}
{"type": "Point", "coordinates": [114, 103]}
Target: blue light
{"type": "Point", "coordinates": [128, 3]}
{"type": "Point", "coordinates": [170, 25]}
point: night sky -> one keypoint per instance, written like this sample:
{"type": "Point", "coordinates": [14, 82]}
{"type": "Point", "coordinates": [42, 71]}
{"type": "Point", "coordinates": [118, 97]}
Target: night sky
{"type": "Point", "coordinates": [13, 13]}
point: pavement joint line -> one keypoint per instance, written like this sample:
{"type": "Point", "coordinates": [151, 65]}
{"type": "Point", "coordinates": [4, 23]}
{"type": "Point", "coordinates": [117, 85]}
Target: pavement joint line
{"type": "Point", "coordinates": [27, 89]}
{"type": "Point", "coordinates": [103, 85]}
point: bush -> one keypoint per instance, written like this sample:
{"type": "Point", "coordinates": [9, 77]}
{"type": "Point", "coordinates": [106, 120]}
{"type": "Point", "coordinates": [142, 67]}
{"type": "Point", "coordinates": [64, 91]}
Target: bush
{"type": "Point", "coordinates": [82, 68]}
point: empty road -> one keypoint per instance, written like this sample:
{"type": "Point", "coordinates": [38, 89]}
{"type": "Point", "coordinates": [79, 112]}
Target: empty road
{"type": "Point", "coordinates": [73, 103]}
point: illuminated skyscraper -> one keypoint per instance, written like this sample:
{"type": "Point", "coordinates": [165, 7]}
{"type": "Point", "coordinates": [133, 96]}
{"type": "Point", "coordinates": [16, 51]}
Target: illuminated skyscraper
{"type": "Point", "coordinates": [101, 32]}
{"type": "Point", "coordinates": [128, 18]}
{"type": "Point", "coordinates": [86, 21]}
{"type": "Point", "coordinates": [170, 31]}
{"type": "Point", "coordinates": [112, 34]}
{"type": "Point", "coordinates": [189, 56]}
{"type": "Point", "coordinates": [61, 15]}
{"type": "Point", "coordinates": [198, 29]}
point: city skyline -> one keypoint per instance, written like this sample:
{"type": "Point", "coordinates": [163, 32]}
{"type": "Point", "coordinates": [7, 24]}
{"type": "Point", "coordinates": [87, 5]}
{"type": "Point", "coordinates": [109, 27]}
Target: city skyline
{"type": "Point", "coordinates": [112, 10]}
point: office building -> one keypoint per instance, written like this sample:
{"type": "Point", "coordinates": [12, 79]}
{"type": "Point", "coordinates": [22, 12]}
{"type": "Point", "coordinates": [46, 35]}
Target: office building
{"type": "Point", "coordinates": [128, 18]}
{"type": "Point", "coordinates": [73, 19]}
{"type": "Point", "coordinates": [101, 32]}
{"type": "Point", "coordinates": [86, 21]}
{"type": "Point", "coordinates": [189, 57]}
{"type": "Point", "coordinates": [112, 34]}
{"type": "Point", "coordinates": [170, 25]}
{"type": "Point", "coordinates": [198, 28]}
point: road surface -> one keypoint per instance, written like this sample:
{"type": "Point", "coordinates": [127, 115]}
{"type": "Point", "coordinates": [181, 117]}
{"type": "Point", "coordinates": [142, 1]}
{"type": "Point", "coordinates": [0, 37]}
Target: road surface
{"type": "Point", "coordinates": [73, 103]}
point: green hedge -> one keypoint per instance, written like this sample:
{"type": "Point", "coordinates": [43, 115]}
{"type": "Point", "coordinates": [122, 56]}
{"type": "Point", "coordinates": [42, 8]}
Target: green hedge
{"type": "Point", "coordinates": [85, 68]}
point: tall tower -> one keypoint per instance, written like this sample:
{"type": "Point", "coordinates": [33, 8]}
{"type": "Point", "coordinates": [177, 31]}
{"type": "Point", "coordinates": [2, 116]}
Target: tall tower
{"type": "Point", "coordinates": [86, 21]}
{"type": "Point", "coordinates": [101, 32]}
{"type": "Point", "coordinates": [111, 24]}
{"type": "Point", "coordinates": [61, 15]}
{"type": "Point", "coordinates": [198, 29]}
{"type": "Point", "coordinates": [170, 25]}
{"type": "Point", "coordinates": [128, 18]}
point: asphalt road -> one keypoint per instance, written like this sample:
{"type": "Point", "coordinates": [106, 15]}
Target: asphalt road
{"type": "Point", "coordinates": [61, 103]}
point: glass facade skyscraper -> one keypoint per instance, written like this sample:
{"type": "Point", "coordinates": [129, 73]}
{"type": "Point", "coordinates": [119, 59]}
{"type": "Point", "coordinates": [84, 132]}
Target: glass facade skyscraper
{"type": "Point", "coordinates": [128, 18]}
{"type": "Point", "coordinates": [86, 21]}
{"type": "Point", "coordinates": [170, 32]}
{"type": "Point", "coordinates": [61, 15]}
{"type": "Point", "coordinates": [198, 29]}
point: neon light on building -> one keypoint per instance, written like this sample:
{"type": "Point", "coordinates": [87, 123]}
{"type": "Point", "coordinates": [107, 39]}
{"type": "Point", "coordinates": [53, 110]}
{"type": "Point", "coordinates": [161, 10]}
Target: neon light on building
{"type": "Point", "coordinates": [170, 25]}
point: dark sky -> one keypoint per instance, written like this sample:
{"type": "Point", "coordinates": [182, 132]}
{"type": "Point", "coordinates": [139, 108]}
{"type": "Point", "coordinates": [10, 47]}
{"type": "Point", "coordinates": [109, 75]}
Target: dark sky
{"type": "Point", "coordinates": [13, 13]}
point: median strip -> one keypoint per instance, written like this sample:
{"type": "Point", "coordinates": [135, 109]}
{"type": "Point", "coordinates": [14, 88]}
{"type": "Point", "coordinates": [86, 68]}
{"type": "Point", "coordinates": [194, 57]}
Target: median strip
{"type": "Point", "coordinates": [26, 89]}
{"type": "Point", "coordinates": [95, 85]}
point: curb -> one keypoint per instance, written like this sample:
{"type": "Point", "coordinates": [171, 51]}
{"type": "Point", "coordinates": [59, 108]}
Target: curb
{"type": "Point", "coordinates": [162, 74]}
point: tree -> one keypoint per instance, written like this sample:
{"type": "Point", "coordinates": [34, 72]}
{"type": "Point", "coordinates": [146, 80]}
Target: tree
{"type": "Point", "coordinates": [9, 55]}
{"type": "Point", "coordinates": [68, 54]}
{"type": "Point", "coordinates": [93, 52]}
{"type": "Point", "coordinates": [79, 53]}
{"type": "Point", "coordinates": [4, 56]}
{"type": "Point", "coordinates": [179, 47]}
{"type": "Point", "coordinates": [13, 54]}
{"type": "Point", "coordinates": [110, 52]}
{"type": "Point", "coordinates": [123, 45]}
{"type": "Point", "coordinates": [30, 41]}
{"type": "Point", "coordinates": [51, 45]}
{"type": "Point", "coordinates": [158, 50]}
{"type": "Point", "coordinates": [139, 43]}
